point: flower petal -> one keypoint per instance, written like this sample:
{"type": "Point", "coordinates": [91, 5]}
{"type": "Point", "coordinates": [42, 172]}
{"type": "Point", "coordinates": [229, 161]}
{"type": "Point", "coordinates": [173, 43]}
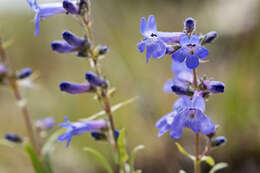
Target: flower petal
{"type": "Point", "coordinates": [167, 86]}
{"type": "Point", "coordinates": [149, 50]}
{"type": "Point", "coordinates": [198, 103]}
{"type": "Point", "coordinates": [206, 125]}
{"type": "Point", "coordinates": [151, 23]}
{"type": "Point", "coordinates": [176, 131]}
{"type": "Point", "coordinates": [180, 55]}
{"type": "Point", "coordinates": [37, 24]}
{"type": "Point", "coordinates": [192, 62]}
{"type": "Point", "coordinates": [184, 40]}
{"type": "Point", "coordinates": [202, 52]}
{"type": "Point", "coordinates": [194, 39]}
{"type": "Point", "coordinates": [159, 49]}
{"type": "Point", "coordinates": [141, 46]}
{"type": "Point", "coordinates": [182, 102]}
{"type": "Point", "coordinates": [143, 25]}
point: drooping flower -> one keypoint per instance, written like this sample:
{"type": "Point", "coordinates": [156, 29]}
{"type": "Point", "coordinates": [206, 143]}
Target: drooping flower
{"type": "Point", "coordinates": [70, 7]}
{"type": "Point", "coordinates": [191, 51]}
{"type": "Point", "coordinates": [78, 128]}
{"type": "Point", "coordinates": [74, 88]}
{"type": "Point", "coordinates": [154, 41]}
{"type": "Point", "coordinates": [94, 80]}
{"type": "Point", "coordinates": [72, 43]}
{"type": "Point", "coordinates": [12, 137]}
{"type": "Point", "coordinates": [183, 77]}
{"type": "Point", "coordinates": [210, 37]}
{"type": "Point", "coordinates": [47, 10]}
{"type": "Point", "coordinates": [45, 123]}
{"type": "Point", "coordinates": [186, 113]}
{"type": "Point", "coordinates": [214, 86]}
{"type": "Point", "coordinates": [24, 73]}
{"type": "Point", "coordinates": [218, 141]}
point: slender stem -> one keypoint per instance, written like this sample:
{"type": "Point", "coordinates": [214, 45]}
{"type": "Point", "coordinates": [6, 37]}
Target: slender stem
{"type": "Point", "coordinates": [197, 149]}
{"type": "Point", "coordinates": [13, 84]}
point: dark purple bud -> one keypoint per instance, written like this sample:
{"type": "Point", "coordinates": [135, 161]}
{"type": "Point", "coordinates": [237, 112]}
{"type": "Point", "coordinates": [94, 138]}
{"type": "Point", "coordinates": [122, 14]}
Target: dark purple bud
{"type": "Point", "coordinates": [179, 90]}
{"type": "Point", "coordinates": [82, 54]}
{"type": "Point", "coordinates": [24, 73]}
{"type": "Point", "coordinates": [73, 88]}
{"type": "Point", "coordinates": [45, 123]}
{"type": "Point", "coordinates": [116, 134]}
{"type": "Point", "coordinates": [94, 80]}
{"type": "Point", "coordinates": [210, 37]}
{"type": "Point", "coordinates": [215, 86]}
{"type": "Point", "coordinates": [3, 69]}
{"type": "Point", "coordinates": [62, 47]}
{"type": "Point", "coordinates": [72, 39]}
{"type": "Point", "coordinates": [102, 50]}
{"type": "Point", "coordinates": [98, 135]}
{"type": "Point", "coordinates": [218, 141]}
{"type": "Point", "coordinates": [12, 137]}
{"type": "Point", "coordinates": [189, 25]}
{"type": "Point", "coordinates": [70, 7]}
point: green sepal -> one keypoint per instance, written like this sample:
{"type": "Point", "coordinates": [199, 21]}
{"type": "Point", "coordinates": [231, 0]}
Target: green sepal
{"type": "Point", "coordinates": [100, 157]}
{"type": "Point", "coordinates": [218, 167]}
{"type": "Point", "coordinates": [209, 160]}
{"type": "Point", "coordinates": [132, 157]}
{"type": "Point", "coordinates": [184, 152]}
{"type": "Point", "coordinates": [123, 156]}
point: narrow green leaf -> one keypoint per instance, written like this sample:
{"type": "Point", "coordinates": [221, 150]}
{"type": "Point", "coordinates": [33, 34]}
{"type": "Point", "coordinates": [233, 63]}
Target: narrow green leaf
{"type": "Point", "coordinates": [38, 167]}
{"type": "Point", "coordinates": [209, 160]}
{"type": "Point", "coordinates": [132, 157]}
{"type": "Point", "coordinates": [47, 160]}
{"type": "Point", "coordinates": [138, 171]}
{"type": "Point", "coordinates": [184, 152]}
{"type": "Point", "coordinates": [100, 157]}
{"type": "Point", "coordinates": [123, 156]}
{"type": "Point", "coordinates": [218, 167]}
{"type": "Point", "coordinates": [113, 109]}
{"type": "Point", "coordinates": [49, 144]}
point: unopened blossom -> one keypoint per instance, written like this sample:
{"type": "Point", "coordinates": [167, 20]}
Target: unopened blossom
{"type": "Point", "coordinates": [75, 88]}
{"type": "Point", "coordinates": [24, 73]}
{"type": "Point", "coordinates": [189, 25]}
{"type": "Point", "coordinates": [218, 141]}
{"type": "Point", "coordinates": [12, 137]}
{"type": "Point", "coordinates": [45, 123]}
{"type": "Point", "coordinates": [78, 128]}
{"type": "Point", "coordinates": [187, 113]}
{"type": "Point", "coordinates": [210, 37]}
{"type": "Point", "coordinates": [154, 41]}
{"type": "Point", "coordinates": [214, 86]}
{"type": "Point", "coordinates": [95, 80]}
{"type": "Point", "coordinates": [190, 52]}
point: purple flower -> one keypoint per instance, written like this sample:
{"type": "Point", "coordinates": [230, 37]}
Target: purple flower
{"type": "Point", "coordinates": [72, 43]}
{"type": "Point", "coordinates": [189, 25]}
{"type": "Point", "coordinates": [78, 128]}
{"type": "Point", "coordinates": [24, 73]}
{"type": "Point", "coordinates": [218, 141]}
{"type": "Point", "coordinates": [214, 86]}
{"type": "Point", "coordinates": [12, 137]}
{"type": "Point", "coordinates": [74, 88]}
{"type": "Point", "coordinates": [191, 51]}
{"type": "Point", "coordinates": [3, 69]}
{"type": "Point", "coordinates": [45, 123]}
{"type": "Point", "coordinates": [71, 7]}
{"type": "Point", "coordinates": [186, 113]}
{"type": "Point", "coordinates": [94, 80]}
{"type": "Point", "coordinates": [183, 77]}
{"type": "Point", "coordinates": [210, 37]}
{"type": "Point", "coordinates": [154, 41]}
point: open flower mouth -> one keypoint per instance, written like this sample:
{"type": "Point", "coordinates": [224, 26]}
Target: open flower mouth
{"type": "Point", "coordinates": [153, 35]}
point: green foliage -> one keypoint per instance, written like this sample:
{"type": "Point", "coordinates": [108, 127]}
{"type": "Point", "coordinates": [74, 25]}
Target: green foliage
{"type": "Point", "coordinates": [100, 157]}
{"type": "Point", "coordinates": [209, 160]}
{"type": "Point", "coordinates": [184, 152]}
{"type": "Point", "coordinates": [218, 167]}
{"type": "Point", "coordinates": [123, 156]}
{"type": "Point", "coordinates": [113, 109]}
{"type": "Point", "coordinates": [37, 164]}
{"type": "Point", "coordinates": [132, 157]}
{"type": "Point", "coordinates": [6, 143]}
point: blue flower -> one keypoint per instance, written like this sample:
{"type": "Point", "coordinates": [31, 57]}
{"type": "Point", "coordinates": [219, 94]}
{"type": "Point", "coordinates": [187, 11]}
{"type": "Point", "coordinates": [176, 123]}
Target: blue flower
{"type": "Point", "coordinates": [12, 137]}
{"type": "Point", "coordinates": [183, 77]}
{"type": "Point", "coordinates": [191, 51]}
{"type": "Point", "coordinates": [210, 37]}
{"type": "Point", "coordinates": [74, 88]}
{"type": "Point", "coordinates": [214, 86]}
{"type": "Point", "coordinates": [45, 123]}
{"type": "Point", "coordinates": [78, 128]}
{"type": "Point", "coordinates": [189, 25]}
{"type": "Point", "coordinates": [218, 141]}
{"type": "Point", "coordinates": [71, 7]}
{"type": "Point", "coordinates": [154, 41]}
{"type": "Point", "coordinates": [47, 10]}
{"type": "Point", "coordinates": [24, 73]}
{"type": "Point", "coordinates": [94, 80]}
{"type": "Point", "coordinates": [186, 113]}
{"type": "Point", "coordinates": [3, 69]}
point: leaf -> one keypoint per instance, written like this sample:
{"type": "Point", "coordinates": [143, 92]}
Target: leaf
{"type": "Point", "coordinates": [138, 171]}
{"type": "Point", "coordinates": [38, 167]}
{"type": "Point", "coordinates": [113, 109]}
{"type": "Point", "coordinates": [184, 152]}
{"type": "Point", "coordinates": [7, 143]}
{"type": "Point", "coordinates": [218, 167]}
{"type": "Point", "coordinates": [47, 160]}
{"type": "Point", "coordinates": [100, 157]}
{"type": "Point", "coordinates": [123, 156]}
{"type": "Point", "coordinates": [132, 157]}
{"type": "Point", "coordinates": [209, 160]}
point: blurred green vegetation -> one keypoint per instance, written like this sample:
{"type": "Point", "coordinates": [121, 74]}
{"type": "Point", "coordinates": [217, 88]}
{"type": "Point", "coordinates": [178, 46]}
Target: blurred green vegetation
{"type": "Point", "coordinates": [234, 59]}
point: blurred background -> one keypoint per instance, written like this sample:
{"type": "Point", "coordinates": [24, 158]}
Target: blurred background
{"type": "Point", "coordinates": [234, 59]}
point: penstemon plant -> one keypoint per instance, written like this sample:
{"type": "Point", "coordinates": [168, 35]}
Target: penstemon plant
{"type": "Point", "coordinates": [187, 51]}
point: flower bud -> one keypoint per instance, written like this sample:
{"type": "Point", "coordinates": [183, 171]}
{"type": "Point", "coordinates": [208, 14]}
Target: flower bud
{"type": "Point", "coordinates": [179, 90]}
{"type": "Point", "coordinates": [116, 134]}
{"type": "Point", "coordinates": [24, 73]}
{"type": "Point", "coordinates": [214, 86]}
{"type": "Point", "coordinates": [2, 69]}
{"type": "Point", "coordinates": [62, 47]}
{"type": "Point", "coordinates": [210, 37]}
{"type": "Point", "coordinates": [189, 25]}
{"type": "Point", "coordinates": [73, 88]}
{"type": "Point", "coordinates": [102, 50]}
{"type": "Point", "coordinates": [72, 39]}
{"type": "Point", "coordinates": [12, 137]}
{"type": "Point", "coordinates": [218, 141]}
{"type": "Point", "coordinates": [94, 80]}
{"type": "Point", "coordinates": [70, 7]}
{"type": "Point", "coordinates": [99, 136]}
{"type": "Point", "coordinates": [45, 123]}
